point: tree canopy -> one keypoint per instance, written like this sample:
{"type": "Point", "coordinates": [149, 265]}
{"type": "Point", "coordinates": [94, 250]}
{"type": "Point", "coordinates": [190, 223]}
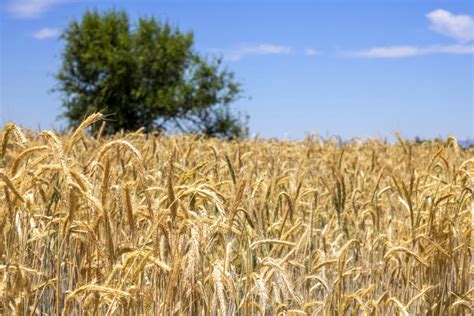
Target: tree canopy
{"type": "Point", "coordinates": [146, 75]}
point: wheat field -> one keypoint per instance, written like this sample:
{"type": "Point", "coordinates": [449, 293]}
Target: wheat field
{"type": "Point", "coordinates": [143, 224]}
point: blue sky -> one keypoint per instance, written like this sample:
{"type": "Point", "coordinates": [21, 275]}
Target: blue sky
{"type": "Point", "coordinates": [348, 68]}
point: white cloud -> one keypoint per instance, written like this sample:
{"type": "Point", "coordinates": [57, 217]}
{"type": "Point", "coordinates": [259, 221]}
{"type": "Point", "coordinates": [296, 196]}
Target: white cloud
{"type": "Point", "coordinates": [46, 32]}
{"type": "Point", "coordinates": [30, 8]}
{"type": "Point", "coordinates": [411, 51]}
{"type": "Point", "coordinates": [311, 52]}
{"type": "Point", "coordinates": [390, 51]}
{"type": "Point", "coordinates": [459, 27]}
{"type": "Point", "coordinates": [260, 49]}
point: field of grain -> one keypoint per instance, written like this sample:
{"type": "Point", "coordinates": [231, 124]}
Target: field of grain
{"type": "Point", "coordinates": [146, 224]}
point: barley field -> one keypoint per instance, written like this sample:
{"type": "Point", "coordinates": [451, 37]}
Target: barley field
{"type": "Point", "coordinates": [143, 224]}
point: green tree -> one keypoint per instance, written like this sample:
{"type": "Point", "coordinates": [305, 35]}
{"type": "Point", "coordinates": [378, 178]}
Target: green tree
{"type": "Point", "coordinates": [146, 75]}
